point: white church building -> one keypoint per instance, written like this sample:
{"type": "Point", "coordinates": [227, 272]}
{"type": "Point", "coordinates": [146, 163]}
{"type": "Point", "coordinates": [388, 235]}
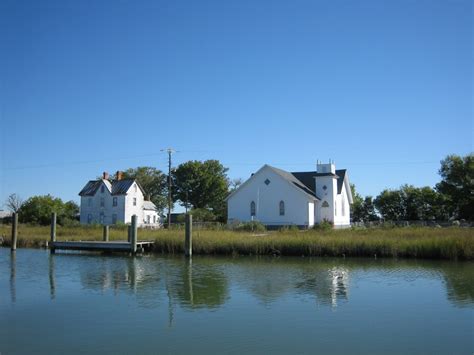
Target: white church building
{"type": "Point", "coordinates": [108, 202]}
{"type": "Point", "coordinates": [276, 197]}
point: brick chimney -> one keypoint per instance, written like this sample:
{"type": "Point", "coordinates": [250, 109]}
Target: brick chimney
{"type": "Point", "coordinates": [105, 175]}
{"type": "Point", "coordinates": [118, 175]}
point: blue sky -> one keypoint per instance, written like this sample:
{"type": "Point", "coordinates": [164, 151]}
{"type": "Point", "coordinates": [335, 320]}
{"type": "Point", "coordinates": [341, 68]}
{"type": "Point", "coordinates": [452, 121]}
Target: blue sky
{"type": "Point", "coordinates": [384, 88]}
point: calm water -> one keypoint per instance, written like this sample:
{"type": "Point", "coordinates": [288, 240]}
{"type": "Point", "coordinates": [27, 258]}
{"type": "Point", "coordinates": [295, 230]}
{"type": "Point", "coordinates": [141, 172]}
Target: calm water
{"type": "Point", "coordinates": [75, 303]}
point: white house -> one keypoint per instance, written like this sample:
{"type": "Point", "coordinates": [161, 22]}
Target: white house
{"type": "Point", "coordinates": [106, 202]}
{"type": "Point", "coordinates": [276, 197]}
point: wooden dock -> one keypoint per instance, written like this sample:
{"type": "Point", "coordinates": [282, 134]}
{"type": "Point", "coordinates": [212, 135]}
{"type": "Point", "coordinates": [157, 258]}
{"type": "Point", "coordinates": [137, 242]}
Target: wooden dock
{"type": "Point", "coordinates": [112, 246]}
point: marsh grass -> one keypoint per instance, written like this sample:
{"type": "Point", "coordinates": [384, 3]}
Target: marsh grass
{"type": "Point", "coordinates": [413, 242]}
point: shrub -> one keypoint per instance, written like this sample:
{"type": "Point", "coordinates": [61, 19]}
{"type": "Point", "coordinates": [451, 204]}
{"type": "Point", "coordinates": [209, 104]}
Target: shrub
{"type": "Point", "coordinates": [324, 226]}
{"type": "Point", "coordinates": [253, 226]}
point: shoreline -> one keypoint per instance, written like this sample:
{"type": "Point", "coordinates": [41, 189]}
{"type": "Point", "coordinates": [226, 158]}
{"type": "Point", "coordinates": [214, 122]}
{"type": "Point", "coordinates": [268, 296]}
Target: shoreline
{"type": "Point", "coordinates": [400, 242]}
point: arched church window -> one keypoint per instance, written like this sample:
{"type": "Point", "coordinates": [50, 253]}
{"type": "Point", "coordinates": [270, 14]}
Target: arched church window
{"type": "Point", "coordinates": [252, 208]}
{"type": "Point", "coordinates": [282, 208]}
{"type": "Point", "coordinates": [325, 204]}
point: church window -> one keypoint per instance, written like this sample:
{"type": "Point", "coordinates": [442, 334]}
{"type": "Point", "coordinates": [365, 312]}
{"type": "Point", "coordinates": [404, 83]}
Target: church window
{"type": "Point", "coordinates": [252, 208]}
{"type": "Point", "coordinates": [335, 208]}
{"type": "Point", "coordinates": [267, 182]}
{"type": "Point", "coordinates": [282, 208]}
{"type": "Point", "coordinates": [325, 204]}
{"type": "Point", "coordinates": [343, 206]}
{"type": "Point", "coordinates": [102, 189]}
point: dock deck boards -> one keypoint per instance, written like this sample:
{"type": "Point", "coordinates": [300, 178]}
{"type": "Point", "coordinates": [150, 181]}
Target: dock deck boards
{"type": "Point", "coordinates": [89, 245]}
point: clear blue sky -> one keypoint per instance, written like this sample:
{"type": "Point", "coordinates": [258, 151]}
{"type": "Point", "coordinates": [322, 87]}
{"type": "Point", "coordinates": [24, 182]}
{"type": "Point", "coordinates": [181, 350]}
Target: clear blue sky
{"type": "Point", "coordinates": [384, 88]}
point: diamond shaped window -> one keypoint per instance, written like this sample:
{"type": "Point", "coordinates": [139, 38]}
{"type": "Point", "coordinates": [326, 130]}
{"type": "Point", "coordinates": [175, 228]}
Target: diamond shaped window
{"type": "Point", "coordinates": [267, 182]}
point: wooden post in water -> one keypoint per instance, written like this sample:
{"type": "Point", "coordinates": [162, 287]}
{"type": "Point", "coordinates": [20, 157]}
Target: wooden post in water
{"type": "Point", "coordinates": [53, 231]}
{"type": "Point", "coordinates": [106, 234]}
{"type": "Point", "coordinates": [129, 234]}
{"type": "Point", "coordinates": [188, 238]}
{"type": "Point", "coordinates": [133, 242]}
{"type": "Point", "coordinates": [14, 230]}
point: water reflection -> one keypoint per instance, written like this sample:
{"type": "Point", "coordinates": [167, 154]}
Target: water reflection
{"type": "Point", "coordinates": [13, 276]}
{"type": "Point", "coordinates": [206, 282]}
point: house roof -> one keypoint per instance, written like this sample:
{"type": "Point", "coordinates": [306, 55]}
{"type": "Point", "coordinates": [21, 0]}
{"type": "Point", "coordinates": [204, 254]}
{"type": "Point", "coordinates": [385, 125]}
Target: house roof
{"type": "Point", "coordinates": [148, 205]}
{"type": "Point", "coordinates": [116, 187]}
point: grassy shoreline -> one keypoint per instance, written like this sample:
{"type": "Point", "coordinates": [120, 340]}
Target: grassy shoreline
{"type": "Point", "coordinates": [410, 242]}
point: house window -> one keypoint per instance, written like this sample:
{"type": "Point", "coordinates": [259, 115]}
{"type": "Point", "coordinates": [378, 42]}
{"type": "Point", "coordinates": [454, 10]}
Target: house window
{"type": "Point", "coordinates": [89, 202]}
{"type": "Point", "coordinates": [154, 219]}
{"type": "Point", "coordinates": [134, 201]}
{"type": "Point", "coordinates": [114, 218]}
{"type": "Point", "coordinates": [102, 202]}
{"type": "Point", "coordinates": [102, 189]}
{"type": "Point", "coordinates": [89, 218]}
{"type": "Point", "coordinates": [252, 209]}
{"type": "Point", "coordinates": [114, 201]}
{"type": "Point", "coordinates": [282, 208]}
{"type": "Point", "coordinates": [148, 219]}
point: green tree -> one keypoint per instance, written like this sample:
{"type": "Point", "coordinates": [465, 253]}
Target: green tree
{"type": "Point", "coordinates": [390, 204]}
{"type": "Point", "coordinates": [38, 209]}
{"type": "Point", "coordinates": [153, 181]}
{"type": "Point", "coordinates": [368, 210]}
{"type": "Point", "coordinates": [457, 185]}
{"type": "Point", "coordinates": [202, 185]}
{"type": "Point", "coordinates": [357, 205]}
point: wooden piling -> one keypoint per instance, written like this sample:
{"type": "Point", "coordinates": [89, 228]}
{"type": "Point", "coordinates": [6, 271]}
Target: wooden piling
{"type": "Point", "coordinates": [133, 242]}
{"type": "Point", "coordinates": [14, 230]}
{"type": "Point", "coordinates": [105, 234]}
{"type": "Point", "coordinates": [188, 238]}
{"type": "Point", "coordinates": [129, 234]}
{"type": "Point", "coordinates": [53, 231]}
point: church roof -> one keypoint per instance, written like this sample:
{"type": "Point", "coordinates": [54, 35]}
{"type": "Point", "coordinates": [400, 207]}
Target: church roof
{"type": "Point", "coordinates": [290, 177]}
{"type": "Point", "coordinates": [307, 178]}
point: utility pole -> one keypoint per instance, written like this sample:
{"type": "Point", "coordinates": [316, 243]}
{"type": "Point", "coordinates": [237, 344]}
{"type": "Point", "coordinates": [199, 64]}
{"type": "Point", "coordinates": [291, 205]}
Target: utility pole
{"type": "Point", "coordinates": [169, 151]}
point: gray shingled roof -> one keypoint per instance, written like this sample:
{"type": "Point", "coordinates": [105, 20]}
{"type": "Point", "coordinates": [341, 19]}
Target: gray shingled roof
{"type": "Point", "coordinates": [117, 187]}
{"type": "Point", "coordinates": [307, 178]}
{"type": "Point", "coordinates": [292, 179]}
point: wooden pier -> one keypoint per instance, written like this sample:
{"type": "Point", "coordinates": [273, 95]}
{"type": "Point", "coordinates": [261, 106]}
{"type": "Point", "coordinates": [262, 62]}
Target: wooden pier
{"type": "Point", "coordinates": [112, 246]}
{"type": "Point", "coordinates": [132, 245]}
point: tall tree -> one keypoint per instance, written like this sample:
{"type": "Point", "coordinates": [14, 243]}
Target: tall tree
{"type": "Point", "coordinates": [357, 205]}
{"type": "Point", "coordinates": [202, 185]}
{"type": "Point", "coordinates": [14, 202]}
{"type": "Point", "coordinates": [153, 182]}
{"type": "Point", "coordinates": [457, 185]}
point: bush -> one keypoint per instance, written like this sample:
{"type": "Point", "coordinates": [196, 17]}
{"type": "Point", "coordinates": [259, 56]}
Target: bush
{"type": "Point", "coordinates": [323, 226]}
{"type": "Point", "coordinates": [291, 228]}
{"type": "Point", "coordinates": [253, 226]}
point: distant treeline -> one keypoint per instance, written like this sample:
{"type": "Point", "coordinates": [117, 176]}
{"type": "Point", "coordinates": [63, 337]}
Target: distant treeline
{"type": "Point", "coordinates": [451, 198]}
{"type": "Point", "coordinates": [202, 187]}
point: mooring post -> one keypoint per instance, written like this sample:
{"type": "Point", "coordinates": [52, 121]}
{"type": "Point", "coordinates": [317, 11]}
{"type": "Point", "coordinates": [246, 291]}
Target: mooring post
{"type": "Point", "coordinates": [133, 242]}
{"type": "Point", "coordinates": [14, 230]}
{"type": "Point", "coordinates": [129, 234]}
{"type": "Point", "coordinates": [188, 238]}
{"type": "Point", "coordinates": [106, 234]}
{"type": "Point", "coordinates": [53, 231]}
